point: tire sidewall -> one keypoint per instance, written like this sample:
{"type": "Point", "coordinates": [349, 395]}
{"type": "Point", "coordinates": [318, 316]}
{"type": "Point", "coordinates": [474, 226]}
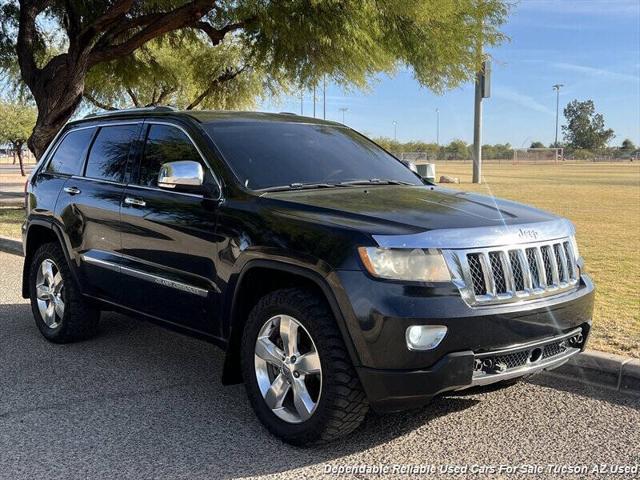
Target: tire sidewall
{"type": "Point", "coordinates": [51, 252]}
{"type": "Point", "coordinates": [293, 432]}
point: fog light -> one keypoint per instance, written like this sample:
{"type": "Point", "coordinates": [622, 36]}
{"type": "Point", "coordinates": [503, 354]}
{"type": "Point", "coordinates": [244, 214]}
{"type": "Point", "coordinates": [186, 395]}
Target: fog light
{"type": "Point", "coordinates": [425, 337]}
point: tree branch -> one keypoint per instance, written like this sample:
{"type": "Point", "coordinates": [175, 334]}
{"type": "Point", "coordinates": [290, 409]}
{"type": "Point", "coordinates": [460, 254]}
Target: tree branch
{"type": "Point", "coordinates": [180, 17]}
{"type": "Point", "coordinates": [98, 103]}
{"type": "Point", "coordinates": [217, 34]}
{"type": "Point", "coordinates": [112, 14]}
{"type": "Point", "coordinates": [229, 74]}
{"type": "Point", "coordinates": [133, 97]}
{"type": "Point", "coordinates": [27, 33]}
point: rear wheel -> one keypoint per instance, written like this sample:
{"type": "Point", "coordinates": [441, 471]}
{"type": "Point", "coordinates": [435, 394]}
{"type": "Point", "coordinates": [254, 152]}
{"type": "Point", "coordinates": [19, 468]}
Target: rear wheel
{"type": "Point", "coordinates": [61, 313]}
{"type": "Point", "coordinates": [298, 375]}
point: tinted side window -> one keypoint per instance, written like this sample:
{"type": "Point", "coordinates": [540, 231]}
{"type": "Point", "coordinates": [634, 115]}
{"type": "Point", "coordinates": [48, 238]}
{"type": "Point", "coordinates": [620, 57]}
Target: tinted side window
{"type": "Point", "coordinates": [70, 154]}
{"type": "Point", "coordinates": [165, 144]}
{"type": "Point", "coordinates": [110, 152]}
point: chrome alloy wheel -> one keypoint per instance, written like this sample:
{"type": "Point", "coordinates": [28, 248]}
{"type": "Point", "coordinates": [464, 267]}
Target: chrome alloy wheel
{"type": "Point", "coordinates": [287, 367]}
{"type": "Point", "coordinates": [50, 293]}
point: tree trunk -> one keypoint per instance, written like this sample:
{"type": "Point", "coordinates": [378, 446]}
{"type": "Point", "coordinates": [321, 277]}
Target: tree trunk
{"type": "Point", "coordinates": [18, 150]}
{"type": "Point", "coordinates": [58, 91]}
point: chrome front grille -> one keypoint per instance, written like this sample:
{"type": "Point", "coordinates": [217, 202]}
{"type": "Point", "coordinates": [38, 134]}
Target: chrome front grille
{"type": "Point", "coordinates": [514, 273]}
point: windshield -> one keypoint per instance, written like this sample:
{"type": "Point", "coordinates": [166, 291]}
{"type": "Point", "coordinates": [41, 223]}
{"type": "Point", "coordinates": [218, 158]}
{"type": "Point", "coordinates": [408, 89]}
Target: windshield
{"type": "Point", "coordinates": [267, 155]}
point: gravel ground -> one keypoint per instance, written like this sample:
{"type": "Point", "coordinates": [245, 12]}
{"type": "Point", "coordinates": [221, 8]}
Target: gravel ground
{"type": "Point", "coordinates": [141, 402]}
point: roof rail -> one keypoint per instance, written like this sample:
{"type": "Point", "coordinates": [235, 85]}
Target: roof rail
{"type": "Point", "coordinates": [157, 108]}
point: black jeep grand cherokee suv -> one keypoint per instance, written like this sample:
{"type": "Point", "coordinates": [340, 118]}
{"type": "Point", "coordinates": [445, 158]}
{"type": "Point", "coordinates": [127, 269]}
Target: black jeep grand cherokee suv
{"type": "Point", "coordinates": [333, 276]}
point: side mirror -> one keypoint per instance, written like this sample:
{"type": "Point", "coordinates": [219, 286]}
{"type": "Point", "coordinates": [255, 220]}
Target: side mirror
{"type": "Point", "coordinates": [185, 175]}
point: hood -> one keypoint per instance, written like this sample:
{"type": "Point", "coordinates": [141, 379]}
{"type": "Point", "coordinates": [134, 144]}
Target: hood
{"type": "Point", "coordinates": [404, 209]}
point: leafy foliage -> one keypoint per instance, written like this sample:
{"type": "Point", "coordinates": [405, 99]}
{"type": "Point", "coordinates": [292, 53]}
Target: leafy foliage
{"type": "Point", "coordinates": [187, 48]}
{"type": "Point", "coordinates": [16, 124]}
{"type": "Point", "coordinates": [585, 128]}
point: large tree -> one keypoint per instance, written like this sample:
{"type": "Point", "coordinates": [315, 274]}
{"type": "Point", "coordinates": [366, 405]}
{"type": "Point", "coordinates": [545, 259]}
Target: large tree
{"type": "Point", "coordinates": [349, 40]}
{"type": "Point", "coordinates": [16, 123]}
{"type": "Point", "coordinates": [585, 128]}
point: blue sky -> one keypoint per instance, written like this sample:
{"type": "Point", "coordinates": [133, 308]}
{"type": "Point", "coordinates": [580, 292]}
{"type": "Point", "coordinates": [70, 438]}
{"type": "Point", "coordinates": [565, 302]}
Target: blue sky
{"type": "Point", "coordinates": [590, 46]}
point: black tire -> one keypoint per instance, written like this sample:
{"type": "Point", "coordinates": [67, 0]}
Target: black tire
{"type": "Point", "coordinates": [80, 319]}
{"type": "Point", "coordinates": [342, 404]}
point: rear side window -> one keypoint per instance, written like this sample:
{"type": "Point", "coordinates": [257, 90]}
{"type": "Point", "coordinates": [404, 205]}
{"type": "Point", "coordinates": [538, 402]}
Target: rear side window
{"type": "Point", "coordinates": [69, 156]}
{"type": "Point", "coordinates": [110, 152]}
{"type": "Point", "coordinates": [165, 144]}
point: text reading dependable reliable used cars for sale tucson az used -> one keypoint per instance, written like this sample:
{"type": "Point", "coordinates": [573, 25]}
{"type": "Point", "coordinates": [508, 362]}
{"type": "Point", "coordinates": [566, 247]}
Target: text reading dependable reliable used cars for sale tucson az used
{"type": "Point", "coordinates": [335, 278]}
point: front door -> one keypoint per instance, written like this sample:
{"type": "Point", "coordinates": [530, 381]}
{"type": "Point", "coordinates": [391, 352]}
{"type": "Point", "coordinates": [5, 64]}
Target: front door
{"type": "Point", "coordinates": [168, 242]}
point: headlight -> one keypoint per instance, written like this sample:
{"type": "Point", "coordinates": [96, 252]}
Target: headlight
{"type": "Point", "coordinates": [414, 265]}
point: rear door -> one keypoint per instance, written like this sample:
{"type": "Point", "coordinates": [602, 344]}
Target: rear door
{"type": "Point", "coordinates": [169, 236]}
{"type": "Point", "coordinates": [89, 208]}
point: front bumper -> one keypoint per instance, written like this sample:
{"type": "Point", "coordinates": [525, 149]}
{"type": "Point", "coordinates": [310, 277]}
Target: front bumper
{"type": "Point", "coordinates": [394, 378]}
{"type": "Point", "coordinates": [392, 390]}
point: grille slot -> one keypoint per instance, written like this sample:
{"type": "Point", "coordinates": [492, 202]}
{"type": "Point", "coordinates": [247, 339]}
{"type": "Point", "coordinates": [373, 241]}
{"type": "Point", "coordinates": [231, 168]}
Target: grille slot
{"type": "Point", "coordinates": [533, 267]}
{"type": "Point", "coordinates": [553, 349]}
{"type": "Point", "coordinates": [568, 254]}
{"type": "Point", "coordinates": [477, 277]}
{"type": "Point", "coordinates": [501, 275]}
{"type": "Point", "coordinates": [516, 267]}
{"type": "Point", "coordinates": [498, 272]}
{"type": "Point", "coordinates": [546, 260]}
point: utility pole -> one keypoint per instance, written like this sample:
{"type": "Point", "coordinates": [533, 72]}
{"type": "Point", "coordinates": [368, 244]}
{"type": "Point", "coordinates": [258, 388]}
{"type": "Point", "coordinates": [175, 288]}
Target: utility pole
{"type": "Point", "coordinates": [314, 100]}
{"type": "Point", "coordinates": [437, 126]}
{"type": "Point", "coordinates": [557, 87]}
{"type": "Point", "coordinates": [477, 130]}
{"type": "Point", "coordinates": [395, 131]}
{"type": "Point", "coordinates": [301, 101]}
{"type": "Point", "coordinates": [482, 90]}
{"type": "Point", "coordinates": [343, 109]}
{"type": "Point", "coordinates": [324, 97]}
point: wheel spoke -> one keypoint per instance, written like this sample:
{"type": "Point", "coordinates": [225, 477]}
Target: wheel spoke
{"type": "Point", "coordinates": [302, 400]}
{"type": "Point", "coordinates": [309, 363]}
{"type": "Point", "coordinates": [277, 392]}
{"type": "Point", "coordinates": [57, 283]}
{"type": "Point", "coordinates": [47, 272]}
{"type": "Point", "coordinates": [289, 335]}
{"type": "Point", "coordinates": [59, 307]}
{"type": "Point", "coordinates": [50, 314]}
{"type": "Point", "coordinates": [269, 352]}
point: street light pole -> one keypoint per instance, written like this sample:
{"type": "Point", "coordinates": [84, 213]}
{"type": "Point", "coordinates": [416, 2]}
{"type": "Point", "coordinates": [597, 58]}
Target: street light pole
{"type": "Point", "coordinates": [557, 87]}
{"type": "Point", "coordinates": [437, 126]}
{"type": "Point", "coordinates": [395, 131]}
{"type": "Point", "coordinates": [324, 97]}
{"type": "Point", "coordinates": [314, 100]}
{"type": "Point", "coordinates": [343, 109]}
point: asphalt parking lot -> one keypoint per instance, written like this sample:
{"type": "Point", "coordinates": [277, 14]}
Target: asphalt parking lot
{"type": "Point", "coordinates": [141, 402]}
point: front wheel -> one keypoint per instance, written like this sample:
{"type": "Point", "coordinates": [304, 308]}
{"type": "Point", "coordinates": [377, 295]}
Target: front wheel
{"type": "Point", "coordinates": [297, 372]}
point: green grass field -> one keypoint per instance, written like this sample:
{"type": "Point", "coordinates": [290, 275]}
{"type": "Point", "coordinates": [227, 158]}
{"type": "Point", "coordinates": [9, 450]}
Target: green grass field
{"type": "Point", "coordinates": [10, 221]}
{"type": "Point", "coordinates": [603, 201]}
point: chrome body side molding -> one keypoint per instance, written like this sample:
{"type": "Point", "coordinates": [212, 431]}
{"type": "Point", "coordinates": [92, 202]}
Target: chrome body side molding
{"type": "Point", "coordinates": [165, 282]}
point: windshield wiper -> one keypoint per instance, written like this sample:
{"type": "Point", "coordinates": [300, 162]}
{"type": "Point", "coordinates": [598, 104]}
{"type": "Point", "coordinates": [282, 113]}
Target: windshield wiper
{"type": "Point", "coordinates": [373, 181]}
{"type": "Point", "coordinates": [297, 186]}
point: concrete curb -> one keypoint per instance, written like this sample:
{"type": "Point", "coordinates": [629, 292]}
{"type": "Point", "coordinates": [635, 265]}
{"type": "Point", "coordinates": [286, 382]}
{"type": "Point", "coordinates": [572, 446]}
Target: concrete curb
{"type": "Point", "coordinates": [10, 245]}
{"type": "Point", "coordinates": [591, 367]}
{"type": "Point", "coordinates": [607, 370]}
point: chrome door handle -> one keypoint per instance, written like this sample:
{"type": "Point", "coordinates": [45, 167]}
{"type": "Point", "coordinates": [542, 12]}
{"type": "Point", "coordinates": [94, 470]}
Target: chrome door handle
{"type": "Point", "coordinates": [72, 190]}
{"type": "Point", "coordinates": [135, 201]}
